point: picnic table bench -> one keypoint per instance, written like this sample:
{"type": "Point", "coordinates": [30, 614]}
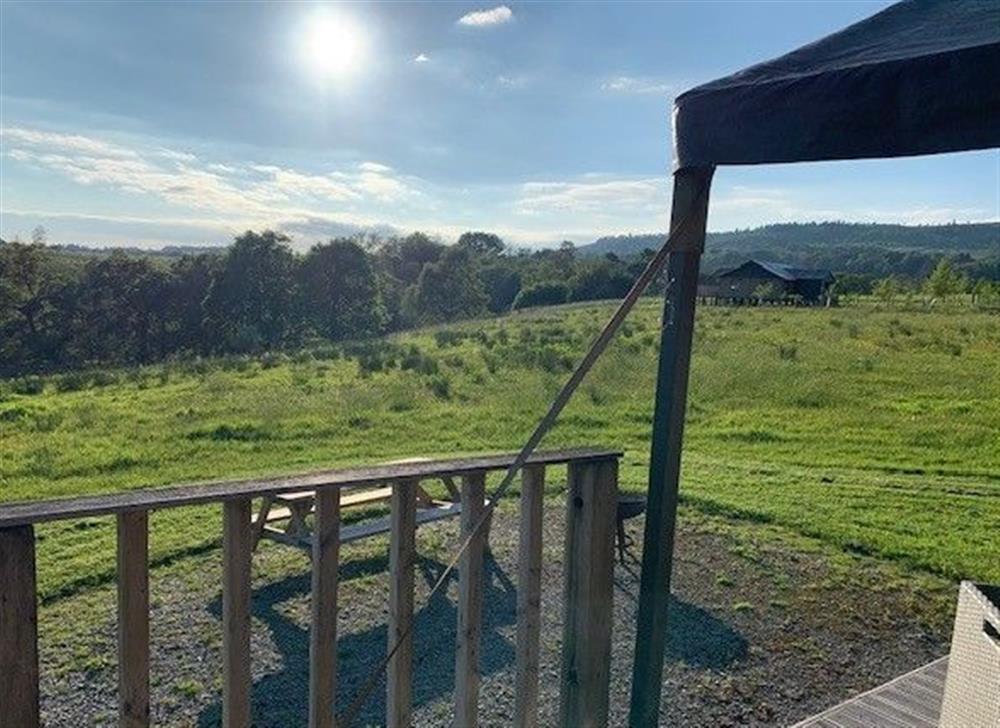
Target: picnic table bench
{"type": "Point", "coordinates": [282, 517]}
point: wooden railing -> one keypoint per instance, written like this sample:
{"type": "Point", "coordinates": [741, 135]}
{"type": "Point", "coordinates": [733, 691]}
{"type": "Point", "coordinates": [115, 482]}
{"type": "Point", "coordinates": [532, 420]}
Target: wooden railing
{"type": "Point", "coordinates": [591, 492]}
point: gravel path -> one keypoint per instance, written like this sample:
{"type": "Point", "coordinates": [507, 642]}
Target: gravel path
{"type": "Point", "coordinates": [762, 633]}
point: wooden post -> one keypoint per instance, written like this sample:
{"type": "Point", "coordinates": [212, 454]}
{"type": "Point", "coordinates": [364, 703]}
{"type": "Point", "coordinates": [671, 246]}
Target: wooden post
{"type": "Point", "coordinates": [133, 619]}
{"type": "Point", "coordinates": [470, 604]}
{"type": "Point", "coordinates": [236, 551]}
{"type": "Point", "coordinates": [691, 191]}
{"type": "Point", "coordinates": [590, 558]}
{"type": "Point", "coordinates": [402, 553]}
{"type": "Point", "coordinates": [529, 597]}
{"type": "Point", "coordinates": [18, 628]}
{"type": "Point", "coordinates": [323, 633]}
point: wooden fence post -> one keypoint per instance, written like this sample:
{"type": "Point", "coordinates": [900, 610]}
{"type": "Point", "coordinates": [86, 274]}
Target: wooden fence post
{"type": "Point", "coordinates": [236, 553]}
{"type": "Point", "coordinates": [133, 619]}
{"type": "Point", "coordinates": [586, 657]}
{"type": "Point", "coordinates": [529, 596]}
{"type": "Point", "coordinates": [323, 633]}
{"type": "Point", "coordinates": [470, 604]}
{"type": "Point", "coordinates": [18, 628]}
{"type": "Point", "coordinates": [402, 552]}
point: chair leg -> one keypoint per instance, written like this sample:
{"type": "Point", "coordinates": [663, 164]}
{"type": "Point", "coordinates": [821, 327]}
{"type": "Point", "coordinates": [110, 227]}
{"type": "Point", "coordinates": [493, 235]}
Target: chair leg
{"type": "Point", "coordinates": [621, 541]}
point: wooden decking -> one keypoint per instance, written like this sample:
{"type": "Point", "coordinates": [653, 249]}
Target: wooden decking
{"type": "Point", "coordinates": [912, 700]}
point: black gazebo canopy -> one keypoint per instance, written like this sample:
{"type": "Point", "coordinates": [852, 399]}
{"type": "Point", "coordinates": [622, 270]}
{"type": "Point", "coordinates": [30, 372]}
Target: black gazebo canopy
{"type": "Point", "coordinates": [920, 77]}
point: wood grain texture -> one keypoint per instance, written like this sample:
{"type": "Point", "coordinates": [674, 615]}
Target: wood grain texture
{"type": "Point", "coordinates": [402, 553]}
{"type": "Point", "coordinates": [18, 629]}
{"type": "Point", "coordinates": [133, 619]}
{"type": "Point", "coordinates": [236, 551]}
{"type": "Point", "coordinates": [323, 632]}
{"type": "Point", "coordinates": [20, 514]}
{"type": "Point", "coordinates": [590, 531]}
{"type": "Point", "coordinates": [470, 603]}
{"type": "Point", "coordinates": [529, 597]}
{"type": "Point", "coordinates": [912, 700]}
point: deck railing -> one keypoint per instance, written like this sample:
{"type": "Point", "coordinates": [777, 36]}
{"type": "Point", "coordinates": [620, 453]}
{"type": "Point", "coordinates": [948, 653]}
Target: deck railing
{"type": "Point", "coordinates": [591, 492]}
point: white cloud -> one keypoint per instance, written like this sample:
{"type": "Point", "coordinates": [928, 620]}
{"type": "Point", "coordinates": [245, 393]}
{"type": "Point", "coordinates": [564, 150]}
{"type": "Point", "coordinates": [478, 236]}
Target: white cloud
{"type": "Point", "coordinates": [374, 167]}
{"type": "Point", "coordinates": [421, 58]}
{"type": "Point", "coordinates": [599, 196]}
{"type": "Point", "coordinates": [67, 142]}
{"type": "Point", "coordinates": [633, 85]}
{"type": "Point", "coordinates": [483, 18]}
{"type": "Point", "coordinates": [255, 194]}
{"type": "Point", "coordinates": [513, 82]}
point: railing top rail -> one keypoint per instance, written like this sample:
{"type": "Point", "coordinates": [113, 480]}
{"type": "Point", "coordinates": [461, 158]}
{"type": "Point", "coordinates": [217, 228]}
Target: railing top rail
{"type": "Point", "coordinates": [24, 513]}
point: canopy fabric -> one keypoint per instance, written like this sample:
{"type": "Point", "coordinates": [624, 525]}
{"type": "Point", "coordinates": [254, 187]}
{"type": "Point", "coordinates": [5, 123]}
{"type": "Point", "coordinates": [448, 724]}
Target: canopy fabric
{"type": "Point", "coordinates": [920, 77]}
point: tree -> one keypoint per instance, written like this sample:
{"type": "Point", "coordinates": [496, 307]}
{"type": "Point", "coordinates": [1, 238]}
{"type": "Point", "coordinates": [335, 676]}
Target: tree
{"type": "Point", "coordinates": [502, 284]}
{"type": "Point", "coordinates": [600, 280]}
{"type": "Point", "coordinates": [250, 304]}
{"type": "Point", "coordinates": [944, 280]}
{"type": "Point", "coordinates": [480, 243]}
{"type": "Point", "coordinates": [449, 289]}
{"type": "Point", "coordinates": [191, 278]}
{"type": "Point", "coordinates": [339, 290]}
{"type": "Point", "coordinates": [542, 294]}
{"type": "Point", "coordinates": [404, 259]}
{"type": "Point", "coordinates": [887, 289]}
{"type": "Point", "coordinates": [30, 282]}
{"type": "Point", "coordinates": [118, 311]}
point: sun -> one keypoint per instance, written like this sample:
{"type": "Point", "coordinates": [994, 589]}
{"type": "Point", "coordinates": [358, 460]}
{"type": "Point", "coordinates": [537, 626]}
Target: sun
{"type": "Point", "coordinates": [333, 46]}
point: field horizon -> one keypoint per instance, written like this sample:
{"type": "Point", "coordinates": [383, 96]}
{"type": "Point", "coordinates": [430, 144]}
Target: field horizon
{"type": "Point", "coordinates": [872, 429]}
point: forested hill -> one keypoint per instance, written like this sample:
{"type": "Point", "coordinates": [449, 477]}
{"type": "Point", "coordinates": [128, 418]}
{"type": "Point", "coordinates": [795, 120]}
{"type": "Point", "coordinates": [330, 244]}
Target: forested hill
{"type": "Point", "coordinates": [786, 240]}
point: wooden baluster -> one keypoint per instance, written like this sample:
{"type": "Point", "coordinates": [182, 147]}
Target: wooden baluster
{"type": "Point", "coordinates": [590, 531]}
{"type": "Point", "coordinates": [529, 596]}
{"type": "Point", "coordinates": [236, 551]}
{"type": "Point", "coordinates": [323, 633]}
{"type": "Point", "coordinates": [18, 628]}
{"type": "Point", "coordinates": [470, 603]}
{"type": "Point", "coordinates": [402, 552]}
{"type": "Point", "coordinates": [133, 619]}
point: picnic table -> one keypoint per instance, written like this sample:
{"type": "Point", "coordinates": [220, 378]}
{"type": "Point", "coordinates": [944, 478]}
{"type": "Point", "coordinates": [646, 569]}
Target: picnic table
{"type": "Point", "coordinates": [284, 517]}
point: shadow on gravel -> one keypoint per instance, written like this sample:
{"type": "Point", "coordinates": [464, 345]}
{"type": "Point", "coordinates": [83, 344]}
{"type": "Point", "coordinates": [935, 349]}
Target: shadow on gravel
{"type": "Point", "coordinates": [695, 636]}
{"type": "Point", "coordinates": [700, 639]}
{"type": "Point", "coordinates": [284, 696]}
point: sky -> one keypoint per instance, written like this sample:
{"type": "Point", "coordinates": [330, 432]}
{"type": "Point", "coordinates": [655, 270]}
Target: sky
{"type": "Point", "coordinates": [152, 124]}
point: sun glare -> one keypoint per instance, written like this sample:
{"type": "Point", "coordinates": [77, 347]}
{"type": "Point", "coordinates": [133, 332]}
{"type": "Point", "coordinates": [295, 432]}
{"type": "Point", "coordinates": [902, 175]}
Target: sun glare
{"type": "Point", "coordinates": [333, 46]}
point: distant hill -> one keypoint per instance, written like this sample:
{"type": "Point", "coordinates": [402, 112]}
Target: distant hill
{"type": "Point", "coordinates": [972, 238]}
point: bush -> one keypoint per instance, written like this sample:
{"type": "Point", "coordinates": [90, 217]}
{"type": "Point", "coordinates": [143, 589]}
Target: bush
{"type": "Point", "coordinates": [28, 385]}
{"type": "Point", "coordinates": [440, 386]}
{"type": "Point", "coordinates": [542, 294]}
{"type": "Point", "coordinates": [416, 361]}
{"type": "Point", "coordinates": [72, 382]}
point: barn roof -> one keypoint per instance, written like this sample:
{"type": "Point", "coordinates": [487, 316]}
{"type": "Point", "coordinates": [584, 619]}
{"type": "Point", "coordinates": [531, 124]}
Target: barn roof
{"type": "Point", "coordinates": [920, 77]}
{"type": "Point", "coordinates": [785, 272]}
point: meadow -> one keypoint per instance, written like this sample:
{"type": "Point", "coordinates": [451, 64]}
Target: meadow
{"type": "Point", "coordinates": [874, 430]}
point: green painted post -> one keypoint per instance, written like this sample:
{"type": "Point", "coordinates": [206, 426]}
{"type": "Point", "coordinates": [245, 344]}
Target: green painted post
{"type": "Point", "coordinates": [690, 205]}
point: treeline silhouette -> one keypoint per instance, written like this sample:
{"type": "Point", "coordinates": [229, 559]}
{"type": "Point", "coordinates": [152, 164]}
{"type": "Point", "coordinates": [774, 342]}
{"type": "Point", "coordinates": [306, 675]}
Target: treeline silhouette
{"type": "Point", "coordinates": [61, 311]}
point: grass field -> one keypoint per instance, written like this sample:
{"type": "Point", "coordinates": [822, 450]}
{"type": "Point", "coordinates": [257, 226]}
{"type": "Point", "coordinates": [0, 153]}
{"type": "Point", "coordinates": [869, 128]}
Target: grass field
{"type": "Point", "coordinates": [875, 431]}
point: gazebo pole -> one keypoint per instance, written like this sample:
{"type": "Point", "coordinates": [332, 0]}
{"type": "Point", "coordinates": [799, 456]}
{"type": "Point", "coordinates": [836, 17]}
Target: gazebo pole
{"type": "Point", "coordinates": [689, 212]}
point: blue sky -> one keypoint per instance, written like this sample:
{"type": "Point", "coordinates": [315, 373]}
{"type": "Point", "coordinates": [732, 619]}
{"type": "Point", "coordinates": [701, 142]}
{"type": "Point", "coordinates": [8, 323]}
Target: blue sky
{"type": "Point", "coordinates": [175, 123]}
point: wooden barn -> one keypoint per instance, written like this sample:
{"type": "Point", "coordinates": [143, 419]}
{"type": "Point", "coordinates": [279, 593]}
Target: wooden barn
{"type": "Point", "coordinates": [780, 281]}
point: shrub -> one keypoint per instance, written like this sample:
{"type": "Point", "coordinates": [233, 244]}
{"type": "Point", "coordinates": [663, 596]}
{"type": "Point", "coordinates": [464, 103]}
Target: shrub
{"type": "Point", "coordinates": [28, 385]}
{"type": "Point", "coordinates": [72, 382]}
{"type": "Point", "coordinates": [440, 386]}
{"type": "Point", "coordinates": [542, 294]}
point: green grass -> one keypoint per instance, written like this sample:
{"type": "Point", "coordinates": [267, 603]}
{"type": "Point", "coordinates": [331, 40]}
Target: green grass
{"type": "Point", "coordinates": [876, 431]}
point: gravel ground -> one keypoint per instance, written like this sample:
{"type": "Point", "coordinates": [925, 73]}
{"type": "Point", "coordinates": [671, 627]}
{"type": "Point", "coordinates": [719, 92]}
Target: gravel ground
{"type": "Point", "coordinates": [765, 631]}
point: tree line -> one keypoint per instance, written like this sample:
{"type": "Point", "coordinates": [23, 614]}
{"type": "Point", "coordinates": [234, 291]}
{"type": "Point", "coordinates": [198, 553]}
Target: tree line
{"type": "Point", "coordinates": [61, 311]}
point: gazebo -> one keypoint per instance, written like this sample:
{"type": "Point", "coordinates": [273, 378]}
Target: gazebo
{"type": "Point", "coordinates": [920, 77]}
